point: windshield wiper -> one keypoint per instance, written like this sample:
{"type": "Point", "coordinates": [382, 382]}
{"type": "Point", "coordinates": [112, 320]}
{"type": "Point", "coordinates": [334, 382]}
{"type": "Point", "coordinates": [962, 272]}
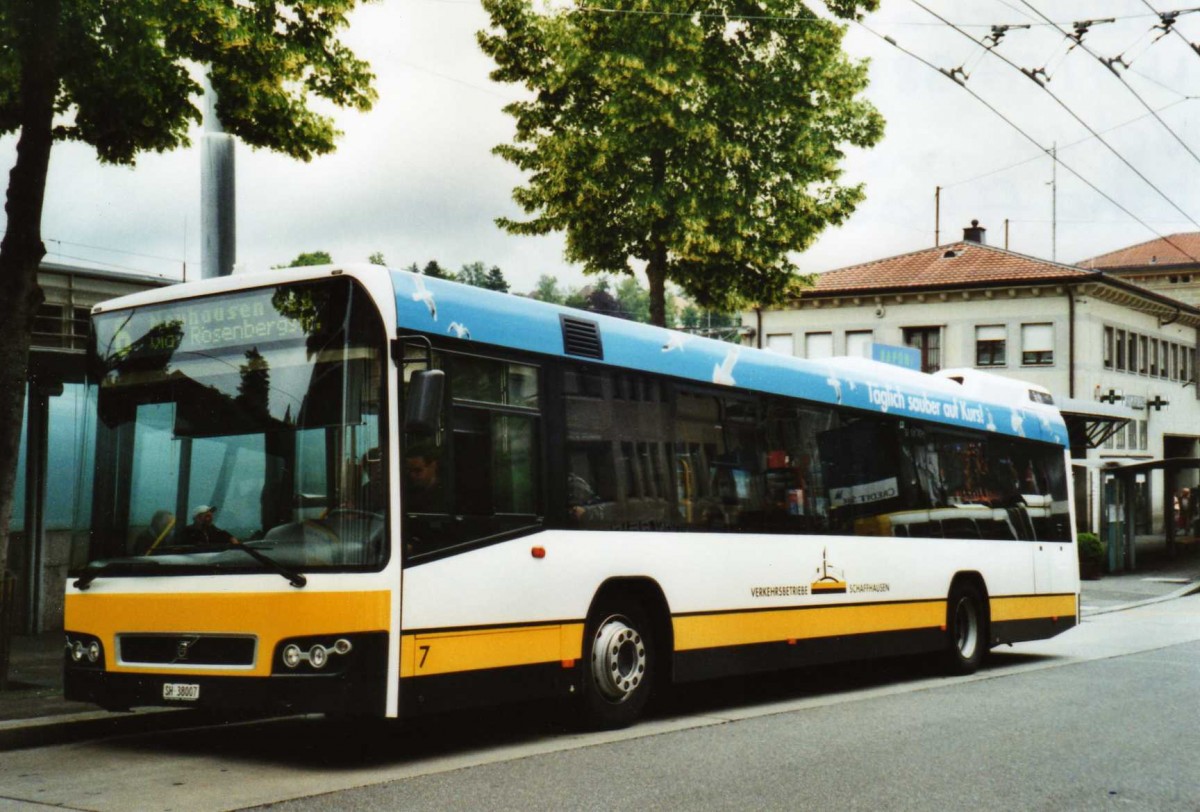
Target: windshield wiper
{"type": "Point", "coordinates": [294, 578]}
{"type": "Point", "coordinates": [95, 571]}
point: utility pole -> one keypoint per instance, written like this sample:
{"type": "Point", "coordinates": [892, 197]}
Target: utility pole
{"type": "Point", "coordinates": [1054, 202]}
{"type": "Point", "coordinates": [937, 216]}
{"type": "Point", "coordinates": [218, 236]}
{"type": "Point", "coordinates": [1005, 233]}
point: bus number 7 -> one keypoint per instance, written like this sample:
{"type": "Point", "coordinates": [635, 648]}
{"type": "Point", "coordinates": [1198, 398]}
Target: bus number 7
{"type": "Point", "coordinates": [424, 656]}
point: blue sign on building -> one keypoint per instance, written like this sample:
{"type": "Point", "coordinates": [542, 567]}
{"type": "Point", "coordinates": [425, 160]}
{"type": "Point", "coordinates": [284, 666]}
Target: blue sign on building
{"type": "Point", "coordinates": [907, 357]}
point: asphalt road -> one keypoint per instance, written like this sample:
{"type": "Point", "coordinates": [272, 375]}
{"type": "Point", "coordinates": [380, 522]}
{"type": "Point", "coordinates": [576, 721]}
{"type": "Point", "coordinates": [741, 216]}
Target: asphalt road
{"type": "Point", "coordinates": [1103, 717]}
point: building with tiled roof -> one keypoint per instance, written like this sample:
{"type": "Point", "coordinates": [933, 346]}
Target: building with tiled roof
{"type": "Point", "coordinates": [1088, 336]}
{"type": "Point", "coordinates": [1169, 265]}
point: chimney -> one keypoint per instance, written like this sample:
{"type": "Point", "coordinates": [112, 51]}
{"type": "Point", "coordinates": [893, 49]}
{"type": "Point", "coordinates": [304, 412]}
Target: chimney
{"type": "Point", "coordinates": [976, 233]}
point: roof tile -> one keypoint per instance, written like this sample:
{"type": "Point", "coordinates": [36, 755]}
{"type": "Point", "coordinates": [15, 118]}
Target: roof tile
{"type": "Point", "coordinates": [962, 263]}
{"type": "Point", "coordinates": [1177, 249]}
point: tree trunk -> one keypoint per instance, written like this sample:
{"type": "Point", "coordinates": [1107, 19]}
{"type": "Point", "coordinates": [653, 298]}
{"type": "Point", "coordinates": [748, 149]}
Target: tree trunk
{"type": "Point", "coordinates": [656, 264]}
{"type": "Point", "coordinates": [36, 23]}
{"type": "Point", "coordinates": [656, 276]}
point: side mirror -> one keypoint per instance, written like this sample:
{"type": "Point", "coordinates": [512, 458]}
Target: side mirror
{"type": "Point", "coordinates": [423, 405]}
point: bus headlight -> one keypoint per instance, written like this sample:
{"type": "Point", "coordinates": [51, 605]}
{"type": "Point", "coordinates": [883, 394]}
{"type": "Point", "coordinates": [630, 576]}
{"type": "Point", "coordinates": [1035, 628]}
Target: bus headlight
{"type": "Point", "coordinates": [83, 650]}
{"type": "Point", "coordinates": [291, 656]}
{"type": "Point", "coordinates": [314, 654]}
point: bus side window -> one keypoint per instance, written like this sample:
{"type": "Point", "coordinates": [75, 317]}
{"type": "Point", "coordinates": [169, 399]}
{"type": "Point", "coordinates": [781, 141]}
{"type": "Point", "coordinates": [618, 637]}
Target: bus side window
{"type": "Point", "coordinates": [617, 476]}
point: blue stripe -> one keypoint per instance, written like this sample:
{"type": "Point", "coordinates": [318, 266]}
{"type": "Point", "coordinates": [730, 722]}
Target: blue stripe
{"type": "Point", "coordinates": [428, 305]}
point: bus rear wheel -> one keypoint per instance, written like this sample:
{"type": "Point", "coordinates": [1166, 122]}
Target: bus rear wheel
{"type": "Point", "coordinates": [966, 629]}
{"type": "Point", "coordinates": [619, 665]}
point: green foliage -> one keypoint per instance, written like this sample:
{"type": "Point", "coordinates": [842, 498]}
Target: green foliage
{"type": "Point", "coordinates": [496, 280]}
{"type": "Point", "coordinates": [123, 81]}
{"type": "Point", "coordinates": [706, 145]}
{"type": "Point", "coordinates": [473, 274]}
{"type": "Point", "coordinates": [309, 258]}
{"type": "Point", "coordinates": [377, 259]}
{"type": "Point", "coordinates": [436, 271]}
{"type": "Point", "coordinates": [547, 290]}
{"type": "Point", "coordinates": [1090, 547]}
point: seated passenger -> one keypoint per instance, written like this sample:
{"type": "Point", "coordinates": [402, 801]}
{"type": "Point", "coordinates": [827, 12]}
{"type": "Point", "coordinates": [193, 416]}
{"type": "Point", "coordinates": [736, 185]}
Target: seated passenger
{"type": "Point", "coordinates": [203, 533]}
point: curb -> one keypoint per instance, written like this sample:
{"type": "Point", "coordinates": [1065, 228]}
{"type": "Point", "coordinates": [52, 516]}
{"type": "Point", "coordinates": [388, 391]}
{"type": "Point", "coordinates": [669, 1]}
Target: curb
{"type": "Point", "coordinates": [1182, 592]}
{"type": "Point", "coordinates": [41, 731]}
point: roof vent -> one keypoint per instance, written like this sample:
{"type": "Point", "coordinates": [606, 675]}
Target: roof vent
{"type": "Point", "coordinates": [581, 337]}
{"type": "Point", "coordinates": [951, 254]}
{"type": "Point", "coordinates": [975, 233]}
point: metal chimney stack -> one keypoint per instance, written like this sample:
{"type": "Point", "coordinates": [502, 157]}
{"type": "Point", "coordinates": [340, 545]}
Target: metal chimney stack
{"type": "Point", "coordinates": [218, 201]}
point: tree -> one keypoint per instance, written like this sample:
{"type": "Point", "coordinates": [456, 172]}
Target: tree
{"type": "Point", "coordinates": [377, 259]}
{"type": "Point", "coordinates": [473, 274]}
{"type": "Point", "coordinates": [634, 299]}
{"type": "Point", "coordinates": [118, 77]}
{"type": "Point", "coordinates": [436, 271]}
{"type": "Point", "coordinates": [547, 290]}
{"type": "Point", "coordinates": [496, 280]}
{"type": "Point", "coordinates": [703, 144]}
{"type": "Point", "coordinates": [309, 258]}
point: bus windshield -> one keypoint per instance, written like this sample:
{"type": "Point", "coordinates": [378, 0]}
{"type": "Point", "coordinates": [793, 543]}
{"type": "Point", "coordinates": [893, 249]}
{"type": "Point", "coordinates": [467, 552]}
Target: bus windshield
{"type": "Point", "coordinates": [249, 419]}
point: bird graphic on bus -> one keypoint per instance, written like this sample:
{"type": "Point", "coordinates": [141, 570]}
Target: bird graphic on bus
{"type": "Point", "coordinates": [832, 580]}
{"type": "Point", "coordinates": [723, 372]}
{"type": "Point", "coordinates": [460, 330]}
{"type": "Point", "coordinates": [675, 341]}
{"type": "Point", "coordinates": [425, 295]}
{"type": "Point", "coordinates": [836, 384]}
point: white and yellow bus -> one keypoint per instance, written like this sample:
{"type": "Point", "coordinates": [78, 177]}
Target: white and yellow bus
{"type": "Point", "coordinates": [431, 496]}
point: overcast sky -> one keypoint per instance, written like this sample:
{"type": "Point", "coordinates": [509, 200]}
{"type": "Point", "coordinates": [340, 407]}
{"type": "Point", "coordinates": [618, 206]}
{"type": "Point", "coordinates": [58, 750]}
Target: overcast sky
{"type": "Point", "coordinates": [415, 178]}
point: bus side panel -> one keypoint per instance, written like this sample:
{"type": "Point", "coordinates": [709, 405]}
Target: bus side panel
{"type": "Point", "coordinates": [738, 604]}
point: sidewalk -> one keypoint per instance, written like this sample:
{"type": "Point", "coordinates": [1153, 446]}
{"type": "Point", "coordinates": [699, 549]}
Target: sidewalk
{"type": "Point", "coordinates": [33, 712]}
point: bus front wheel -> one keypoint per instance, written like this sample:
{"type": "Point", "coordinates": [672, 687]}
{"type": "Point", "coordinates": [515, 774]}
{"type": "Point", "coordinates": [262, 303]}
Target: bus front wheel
{"type": "Point", "coordinates": [966, 629]}
{"type": "Point", "coordinates": [619, 663]}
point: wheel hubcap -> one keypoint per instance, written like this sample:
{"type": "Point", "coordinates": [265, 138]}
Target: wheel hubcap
{"type": "Point", "coordinates": [618, 659]}
{"type": "Point", "coordinates": [966, 627]}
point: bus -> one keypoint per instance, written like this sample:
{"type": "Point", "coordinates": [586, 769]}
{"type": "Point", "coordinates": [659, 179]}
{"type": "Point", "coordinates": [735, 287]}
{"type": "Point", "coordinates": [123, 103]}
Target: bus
{"type": "Point", "coordinates": [365, 492]}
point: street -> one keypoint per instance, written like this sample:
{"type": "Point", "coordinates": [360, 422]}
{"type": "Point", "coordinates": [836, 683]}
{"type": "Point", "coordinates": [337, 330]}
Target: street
{"type": "Point", "coordinates": [1102, 717]}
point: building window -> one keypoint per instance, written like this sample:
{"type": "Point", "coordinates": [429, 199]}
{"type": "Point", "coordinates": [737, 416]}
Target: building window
{"type": "Point", "coordinates": [1145, 444]}
{"type": "Point", "coordinates": [928, 340]}
{"type": "Point", "coordinates": [1037, 344]}
{"type": "Point", "coordinates": [1133, 352]}
{"type": "Point", "coordinates": [1108, 348]}
{"type": "Point", "coordinates": [782, 343]}
{"type": "Point", "coordinates": [818, 345]}
{"type": "Point", "coordinates": [1154, 357]}
{"type": "Point", "coordinates": [1143, 356]}
{"type": "Point", "coordinates": [1174, 362]}
{"type": "Point", "coordinates": [858, 343]}
{"type": "Point", "coordinates": [1120, 350]}
{"type": "Point", "coordinates": [1164, 368]}
{"type": "Point", "coordinates": [990, 343]}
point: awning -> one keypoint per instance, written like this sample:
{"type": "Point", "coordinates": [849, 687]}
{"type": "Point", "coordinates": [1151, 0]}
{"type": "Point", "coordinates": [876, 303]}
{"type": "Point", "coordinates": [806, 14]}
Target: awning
{"type": "Point", "coordinates": [1090, 422]}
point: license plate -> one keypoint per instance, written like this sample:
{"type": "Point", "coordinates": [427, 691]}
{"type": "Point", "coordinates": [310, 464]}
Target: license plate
{"type": "Point", "coordinates": [181, 691]}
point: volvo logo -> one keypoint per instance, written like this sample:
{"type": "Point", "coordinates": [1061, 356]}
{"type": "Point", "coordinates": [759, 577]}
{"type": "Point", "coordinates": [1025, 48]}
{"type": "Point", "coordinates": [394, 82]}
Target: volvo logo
{"type": "Point", "coordinates": [183, 646]}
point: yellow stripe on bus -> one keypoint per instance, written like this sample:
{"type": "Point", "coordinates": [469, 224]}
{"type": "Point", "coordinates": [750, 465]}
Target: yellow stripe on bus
{"type": "Point", "coordinates": [271, 617]}
{"type": "Point", "coordinates": [745, 628]}
{"type": "Point", "coordinates": [475, 649]}
{"type": "Point", "coordinates": [1033, 607]}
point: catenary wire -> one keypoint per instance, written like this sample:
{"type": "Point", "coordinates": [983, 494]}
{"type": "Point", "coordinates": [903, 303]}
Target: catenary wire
{"type": "Point", "coordinates": [1121, 79]}
{"type": "Point", "coordinates": [1033, 141]}
{"type": "Point", "coordinates": [1071, 112]}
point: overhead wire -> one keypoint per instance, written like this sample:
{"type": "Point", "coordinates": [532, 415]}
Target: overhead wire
{"type": "Point", "coordinates": [1031, 140]}
{"type": "Point", "coordinates": [1031, 75]}
{"type": "Point", "coordinates": [1112, 68]}
{"type": "Point", "coordinates": [1083, 140]}
{"type": "Point", "coordinates": [1168, 18]}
